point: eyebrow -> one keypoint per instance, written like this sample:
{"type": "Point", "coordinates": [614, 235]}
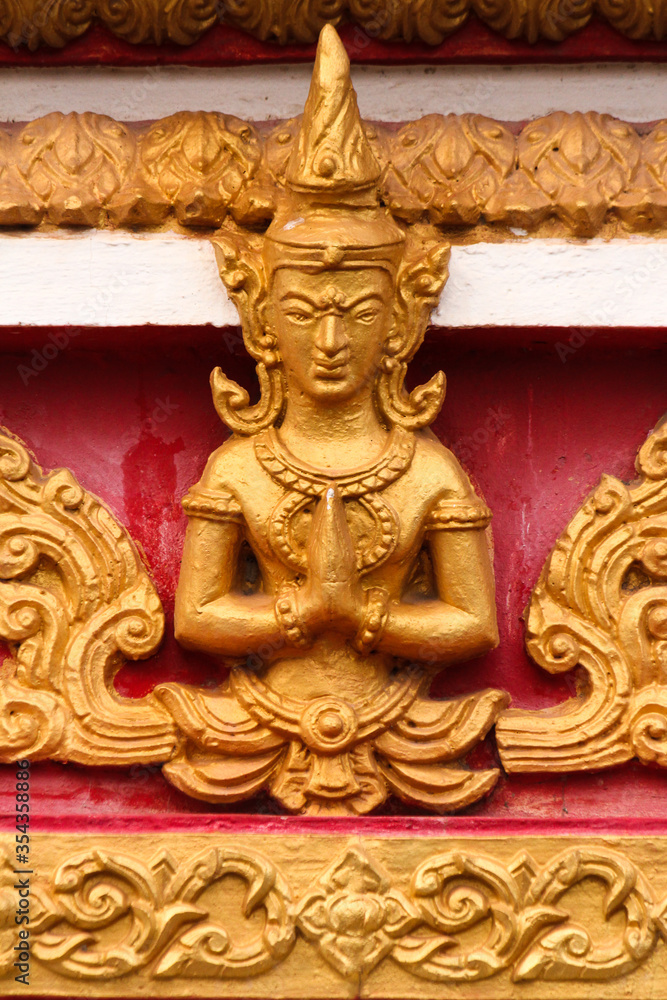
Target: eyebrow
{"type": "Point", "coordinates": [298, 297]}
{"type": "Point", "coordinates": [366, 297]}
{"type": "Point", "coordinates": [301, 297]}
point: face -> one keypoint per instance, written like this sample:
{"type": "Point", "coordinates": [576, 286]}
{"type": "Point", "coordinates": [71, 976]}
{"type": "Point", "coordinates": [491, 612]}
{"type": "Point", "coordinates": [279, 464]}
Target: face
{"type": "Point", "coordinates": [330, 328]}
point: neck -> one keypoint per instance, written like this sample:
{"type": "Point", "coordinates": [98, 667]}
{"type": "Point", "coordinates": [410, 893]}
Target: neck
{"type": "Point", "coordinates": [333, 436]}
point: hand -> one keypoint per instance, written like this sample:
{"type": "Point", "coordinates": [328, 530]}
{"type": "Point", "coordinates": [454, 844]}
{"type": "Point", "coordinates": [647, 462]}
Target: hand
{"type": "Point", "coordinates": [332, 597]}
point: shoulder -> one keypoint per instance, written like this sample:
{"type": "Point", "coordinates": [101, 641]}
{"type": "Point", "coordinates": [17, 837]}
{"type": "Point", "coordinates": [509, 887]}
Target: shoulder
{"type": "Point", "coordinates": [218, 496]}
{"type": "Point", "coordinates": [228, 466]}
{"type": "Point", "coordinates": [439, 470]}
{"type": "Point", "coordinates": [450, 502]}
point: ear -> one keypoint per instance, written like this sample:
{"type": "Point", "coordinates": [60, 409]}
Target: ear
{"type": "Point", "coordinates": [241, 266]}
{"type": "Point", "coordinates": [424, 269]}
{"type": "Point", "coordinates": [421, 278]}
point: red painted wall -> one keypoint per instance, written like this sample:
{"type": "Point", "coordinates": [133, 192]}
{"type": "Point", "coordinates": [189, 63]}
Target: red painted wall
{"type": "Point", "coordinates": [136, 425]}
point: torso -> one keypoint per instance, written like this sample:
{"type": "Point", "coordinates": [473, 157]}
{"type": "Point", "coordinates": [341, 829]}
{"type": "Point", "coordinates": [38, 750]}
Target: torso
{"type": "Point", "coordinates": [386, 503]}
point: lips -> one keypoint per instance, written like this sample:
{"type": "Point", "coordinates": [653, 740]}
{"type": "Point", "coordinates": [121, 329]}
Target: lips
{"type": "Point", "coordinates": [331, 369]}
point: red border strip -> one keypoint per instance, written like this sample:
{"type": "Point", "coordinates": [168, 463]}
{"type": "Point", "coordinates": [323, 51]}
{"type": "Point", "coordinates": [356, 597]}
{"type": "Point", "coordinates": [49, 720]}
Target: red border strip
{"type": "Point", "coordinates": [338, 826]}
{"type": "Point", "coordinates": [224, 45]}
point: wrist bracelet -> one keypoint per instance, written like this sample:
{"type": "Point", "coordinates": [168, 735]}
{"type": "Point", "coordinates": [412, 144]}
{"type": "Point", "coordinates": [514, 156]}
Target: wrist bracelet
{"type": "Point", "coordinates": [375, 617]}
{"type": "Point", "coordinates": [288, 618]}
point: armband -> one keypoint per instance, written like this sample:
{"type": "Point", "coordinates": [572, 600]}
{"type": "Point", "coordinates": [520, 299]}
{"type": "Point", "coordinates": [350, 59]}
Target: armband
{"type": "Point", "coordinates": [457, 515]}
{"type": "Point", "coordinates": [216, 505]}
{"type": "Point", "coordinates": [288, 618]}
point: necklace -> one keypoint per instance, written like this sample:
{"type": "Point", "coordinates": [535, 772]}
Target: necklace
{"type": "Point", "coordinates": [363, 486]}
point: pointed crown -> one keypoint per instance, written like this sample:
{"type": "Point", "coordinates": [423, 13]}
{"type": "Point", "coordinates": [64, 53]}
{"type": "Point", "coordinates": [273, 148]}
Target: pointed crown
{"type": "Point", "coordinates": [331, 208]}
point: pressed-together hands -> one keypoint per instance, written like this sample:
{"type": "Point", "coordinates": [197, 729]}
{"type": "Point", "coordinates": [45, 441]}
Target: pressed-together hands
{"type": "Point", "coordinates": [332, 598]}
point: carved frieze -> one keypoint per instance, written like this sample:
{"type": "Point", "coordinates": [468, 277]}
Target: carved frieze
{"type": "Point", "coordinates": [561, 174]}
{"type": "Point", "coordinates": [380, 915]}
{"type": "Point", "coordinates": [36, 23]}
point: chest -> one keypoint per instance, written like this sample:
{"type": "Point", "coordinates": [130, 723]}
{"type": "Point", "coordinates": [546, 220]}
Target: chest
{"type": "Point", "coordinates": [381, 526]}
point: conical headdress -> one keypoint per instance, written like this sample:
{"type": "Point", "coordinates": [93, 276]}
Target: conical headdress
{"type": "Point", "coordinates": [331, 206]}
{"type": "Point", "coordinates": [333, 154]}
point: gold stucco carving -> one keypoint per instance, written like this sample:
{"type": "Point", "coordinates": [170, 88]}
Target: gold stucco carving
{"type": "Point", "coordinates": [75, 601]}
{"type": "Point", "coordinates": [376, 914]}
{"type": "Point", "coordinates": [36, 23]}
{"type": "Point", "coordinates": [601, 606]}
{"type": "Point", "coordinates": [570, 173]}
{"type": "Point", "coordinates": [372, 565]}
{"type": "Point", "coordinates": [336, 557]}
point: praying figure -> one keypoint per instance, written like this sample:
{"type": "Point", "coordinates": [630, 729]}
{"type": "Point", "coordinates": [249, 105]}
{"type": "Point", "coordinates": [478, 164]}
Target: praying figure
{"type": "Point", "coordinates": [336, 556]}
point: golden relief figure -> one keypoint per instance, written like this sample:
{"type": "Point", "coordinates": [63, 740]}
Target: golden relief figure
{"type": "Point", "coordinates": [336, 555]}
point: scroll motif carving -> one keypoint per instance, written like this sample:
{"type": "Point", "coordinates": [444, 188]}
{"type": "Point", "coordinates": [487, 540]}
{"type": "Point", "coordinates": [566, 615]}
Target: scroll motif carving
{"type": "Point", "coordinates": [634, 19]}
{"type": "Point", "coordinates": [281, 21]}
{"type": "Point", "coordinates": [601, 605]}
{"type": "Point", "coordinates": [34, 23]}
{"type": "Point", "coordinates": [155, 22]}
{"type": "Point", "coordinates": [533, 20]}
{"type": "Point", "coordinates": [74, 601]}
{"type": "Point", "coordinates": [576, 171]}
{"type": "Point", "coordinates": [461, 916]}
{"type": "Point", "coordinates": [410, 20]}
{"type": "Point", "coordinates": [161, 921]}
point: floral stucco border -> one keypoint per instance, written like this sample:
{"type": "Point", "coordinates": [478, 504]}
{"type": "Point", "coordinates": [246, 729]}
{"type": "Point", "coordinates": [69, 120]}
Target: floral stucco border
{"type": "Point", "coordinates": [575, 173]}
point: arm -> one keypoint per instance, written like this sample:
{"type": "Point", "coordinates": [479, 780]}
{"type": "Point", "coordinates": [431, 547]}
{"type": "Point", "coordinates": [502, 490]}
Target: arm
{"type": "Point", "coordinates": [209, 615]}
{"type": "Point", "coordinates": [462, 623]}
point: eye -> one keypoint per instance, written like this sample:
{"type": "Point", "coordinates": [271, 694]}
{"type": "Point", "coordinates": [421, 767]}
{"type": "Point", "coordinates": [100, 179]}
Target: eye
{"type": "Point", "coordinates": [298, 316]}
{"type": "Point", "coordinates": [367, 315]}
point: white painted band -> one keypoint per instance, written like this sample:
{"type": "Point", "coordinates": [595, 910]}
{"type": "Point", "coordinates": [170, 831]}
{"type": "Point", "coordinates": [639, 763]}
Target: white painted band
{"type": "Point", "coordinates": [633, 92]}
{"type": "Point", "coordinates": [103, 279]}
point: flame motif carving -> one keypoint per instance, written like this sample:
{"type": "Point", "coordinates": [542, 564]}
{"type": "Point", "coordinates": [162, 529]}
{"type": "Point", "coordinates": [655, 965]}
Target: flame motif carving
{"type": "Point", "coordinates": [75, 601]}
{"type": "Point", "coordinates": [601, 605]}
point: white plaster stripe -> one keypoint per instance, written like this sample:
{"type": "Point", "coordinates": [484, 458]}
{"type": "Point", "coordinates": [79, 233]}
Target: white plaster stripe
{"type": "Point", "coordinates": [633, 92]}
{"type": "Point", "coordinates": [120, 279]}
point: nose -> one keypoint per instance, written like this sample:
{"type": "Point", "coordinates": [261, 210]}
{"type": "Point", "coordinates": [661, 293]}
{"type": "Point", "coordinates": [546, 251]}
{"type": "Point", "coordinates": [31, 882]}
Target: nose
{"type": "Point", "coordinates": [330, 335]}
